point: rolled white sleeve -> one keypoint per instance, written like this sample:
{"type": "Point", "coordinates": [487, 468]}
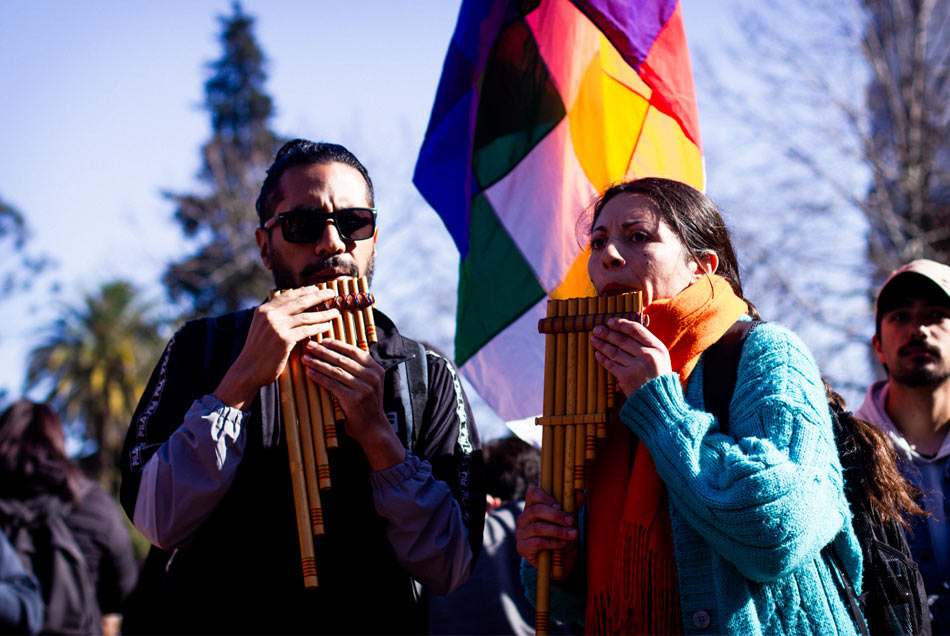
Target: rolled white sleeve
{"type": "Point", "coordinates": [205, 452]}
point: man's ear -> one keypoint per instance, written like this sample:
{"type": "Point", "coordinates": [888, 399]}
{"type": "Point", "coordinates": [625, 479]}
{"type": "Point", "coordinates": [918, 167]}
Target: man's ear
{"type": "Point", "coordinates": [876, 343]}
{"type": "Point", "coordinates": [263, 243]}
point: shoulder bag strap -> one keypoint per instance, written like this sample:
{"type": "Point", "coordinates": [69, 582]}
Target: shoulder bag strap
{"type": "Point", "coordinates": [721, 369]}
{"type": "Point", "coordinates": [417, 372]}
{"type": "Point", "coordinates": [843, 583]}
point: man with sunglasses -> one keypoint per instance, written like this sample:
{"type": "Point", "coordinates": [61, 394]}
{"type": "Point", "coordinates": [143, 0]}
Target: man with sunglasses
{"type": "Point", "coordinates": [205, 467]}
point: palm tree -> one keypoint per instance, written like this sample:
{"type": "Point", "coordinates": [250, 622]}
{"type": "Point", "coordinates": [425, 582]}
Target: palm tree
{"type": "Point", "coordinates": [95, 362]}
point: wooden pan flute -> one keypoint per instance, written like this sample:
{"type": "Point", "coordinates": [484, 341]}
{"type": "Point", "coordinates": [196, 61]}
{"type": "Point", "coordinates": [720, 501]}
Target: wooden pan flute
{"type": "Point", "coordinates": [311, 414]}
{"type": "Point", "coordinates": [579, 395]}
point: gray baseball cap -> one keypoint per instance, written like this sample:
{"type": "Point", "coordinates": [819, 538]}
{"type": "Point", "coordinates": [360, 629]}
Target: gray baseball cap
{"type": "Point", "coordinates": [922, 274]}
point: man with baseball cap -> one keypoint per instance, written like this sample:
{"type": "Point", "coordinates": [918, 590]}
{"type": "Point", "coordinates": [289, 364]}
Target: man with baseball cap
{"type": "Point", "coordinates": [912, 341]}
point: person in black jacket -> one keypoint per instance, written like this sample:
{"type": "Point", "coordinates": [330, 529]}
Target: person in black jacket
{"type": "Point", "coordinates": [37, 478]}
{"type": "Point", "coordinates": [205, 465]}
{"type": "Point", "coordinates": [493, 601]}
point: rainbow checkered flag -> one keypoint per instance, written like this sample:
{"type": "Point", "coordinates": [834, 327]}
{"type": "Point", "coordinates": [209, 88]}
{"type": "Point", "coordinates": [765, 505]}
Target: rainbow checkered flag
{"type": "Point", "coordinates": [541, 106]}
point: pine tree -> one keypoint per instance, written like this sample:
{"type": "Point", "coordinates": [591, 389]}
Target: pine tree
{"type": "Point", "coordinates": [224, 273]}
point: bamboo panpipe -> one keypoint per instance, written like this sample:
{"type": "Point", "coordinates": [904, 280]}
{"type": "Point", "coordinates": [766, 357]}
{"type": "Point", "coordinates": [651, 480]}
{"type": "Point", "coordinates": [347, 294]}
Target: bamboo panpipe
{"type": "Point", "coordinates": [578, 399]}
{"type": "Point", "coordinates": [311, 414]}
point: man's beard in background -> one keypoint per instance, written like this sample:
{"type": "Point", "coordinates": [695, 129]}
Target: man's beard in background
{"type": "Point", "coordinates": [920, 376]}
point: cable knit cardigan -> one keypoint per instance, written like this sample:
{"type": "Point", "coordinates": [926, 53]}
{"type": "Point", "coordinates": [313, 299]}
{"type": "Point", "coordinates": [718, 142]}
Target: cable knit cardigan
{"type": "Point", "coordinates": [751, 509]}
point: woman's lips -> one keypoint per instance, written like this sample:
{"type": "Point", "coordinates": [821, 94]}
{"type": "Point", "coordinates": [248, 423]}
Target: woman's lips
{"type": "Point", "coordinates": [613, 289]}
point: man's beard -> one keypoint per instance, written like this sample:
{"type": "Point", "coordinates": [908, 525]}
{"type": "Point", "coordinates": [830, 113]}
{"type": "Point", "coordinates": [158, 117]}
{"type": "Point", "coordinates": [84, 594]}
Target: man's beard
{"type": "Point", "coordinates": [922, 376]}
{"type": "Point", "coordinates": [345, 264]}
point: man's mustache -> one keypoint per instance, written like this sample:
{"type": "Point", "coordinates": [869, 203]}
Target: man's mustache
{"type": "Point", "coordinates": [919, 346]}
{"type": "Point", "coordinates": [343, 263]}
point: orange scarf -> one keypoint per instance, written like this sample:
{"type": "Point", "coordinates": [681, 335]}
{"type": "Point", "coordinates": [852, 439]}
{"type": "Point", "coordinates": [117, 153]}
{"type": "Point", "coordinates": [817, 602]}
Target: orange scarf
{"type": "Point", "coordinates": [631, 568]}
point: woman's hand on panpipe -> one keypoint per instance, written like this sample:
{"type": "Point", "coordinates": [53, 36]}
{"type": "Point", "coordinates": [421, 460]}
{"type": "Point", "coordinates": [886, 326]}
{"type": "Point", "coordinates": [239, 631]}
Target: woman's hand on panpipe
{"type": "Point", "coordinates": [630, 353]}
{"type": "Point", "coordinates": [544, 526]}
{"type": "Point", "coordinates": [356, 380]}
{"type": "Point", "coordinates": [276, 327]}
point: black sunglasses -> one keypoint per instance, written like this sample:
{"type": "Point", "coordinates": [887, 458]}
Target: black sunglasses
{"type": "Point", "coordinates": [306, 225]}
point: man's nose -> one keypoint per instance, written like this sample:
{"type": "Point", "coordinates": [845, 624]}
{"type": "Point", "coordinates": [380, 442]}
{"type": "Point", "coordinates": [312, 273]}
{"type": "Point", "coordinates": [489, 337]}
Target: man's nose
{"type": "Point", "coordinates": [330, 242]}
{"type": "Point", "coordinates": [920, 326]}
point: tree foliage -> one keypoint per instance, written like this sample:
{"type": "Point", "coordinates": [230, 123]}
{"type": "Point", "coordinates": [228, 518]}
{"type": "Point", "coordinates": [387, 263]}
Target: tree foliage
{"type": "Point", "coordinates": [20, 267]}
{"type": "Point", "coordinates": [224, 273]}
{"type": "Point", "coordinates": [93, 364]}
{"type": "Point", "coordinates": [907, 46]}
{"type": "Point", "coordinates": [836, 167]}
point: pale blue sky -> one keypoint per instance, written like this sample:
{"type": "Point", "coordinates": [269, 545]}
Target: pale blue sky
{"type": "Point", "coordinates": [101, 107]}
{"type": "Point", "coordinates": [101, 112]}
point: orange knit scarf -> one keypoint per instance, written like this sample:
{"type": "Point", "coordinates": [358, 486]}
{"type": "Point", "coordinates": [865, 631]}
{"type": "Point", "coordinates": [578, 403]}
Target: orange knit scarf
{"type": "Point", "coordinates": [631, 568]}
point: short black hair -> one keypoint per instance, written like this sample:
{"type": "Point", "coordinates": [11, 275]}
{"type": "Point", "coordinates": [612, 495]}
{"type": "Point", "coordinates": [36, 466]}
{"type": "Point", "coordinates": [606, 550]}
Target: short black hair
{"type": "Point", "coordinates": [511, 466]}
{"type": "Point", "coordinates": [300, 152]}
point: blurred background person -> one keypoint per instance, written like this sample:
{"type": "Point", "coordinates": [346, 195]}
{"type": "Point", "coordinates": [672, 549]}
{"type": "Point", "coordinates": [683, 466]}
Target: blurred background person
{"type": "Point", "coordinates": [912, 406]}
{"type": "Point", "coordinates": [21, 601]}
{"type": "Point", "coordinates": [63, 524]}
{"type": "Point", "coordinates": [493, 600]}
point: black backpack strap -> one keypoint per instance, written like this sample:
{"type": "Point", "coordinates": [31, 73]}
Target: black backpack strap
{"type": "Point", "coordinates": [417, 376]}
{"type": "Point", "coordinates": [413, 394]}
{"type": "Point", "coordinates": [721, 369]}
{"type": "Point", "coordinates": [843, 582]}
{"type": "Point", "coordinates": [210, 340]}
{"type": "Point", "coordinates": [224, 339]}
{"type": "Point", "coordinates": [412, 388]}
{"type": "Point", "coordinates": [232, 325]}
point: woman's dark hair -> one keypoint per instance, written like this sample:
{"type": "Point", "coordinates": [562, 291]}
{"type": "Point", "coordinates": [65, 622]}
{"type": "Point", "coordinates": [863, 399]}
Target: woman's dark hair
{"type": "Point", "coordinates": [300, 152]}
{"type": "Point", "coordinates": [33, 456]}
{"type": "Point", "coordinates": [871, 457]}
{"type": "Point", "coordinates": [694, 219]}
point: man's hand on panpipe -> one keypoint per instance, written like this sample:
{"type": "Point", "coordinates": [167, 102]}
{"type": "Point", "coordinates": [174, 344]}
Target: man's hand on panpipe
{"type": "Point", "coordinates": [356, 380]}
{"type": "Point", "coordinates": [544, 526]}
{"type": "Point", "coordinates": [276, 327]}
{"type": "Point", "coordinates": [630, 353]}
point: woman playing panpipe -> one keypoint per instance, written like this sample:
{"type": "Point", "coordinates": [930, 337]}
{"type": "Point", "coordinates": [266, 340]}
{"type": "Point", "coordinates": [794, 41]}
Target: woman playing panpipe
{"type": "Point", "coordinates": [692, 525]}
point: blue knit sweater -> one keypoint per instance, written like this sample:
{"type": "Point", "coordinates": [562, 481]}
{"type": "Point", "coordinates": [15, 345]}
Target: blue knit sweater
{"type": "Point", "coordinates": [750, 509]}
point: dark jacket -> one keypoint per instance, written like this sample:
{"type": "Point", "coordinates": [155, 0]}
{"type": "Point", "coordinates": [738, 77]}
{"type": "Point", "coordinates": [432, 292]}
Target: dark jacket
{"type": "Point", "coordinates": [97, 525]}
{"type": "Point", "coordinates": [21, 600]}
{"type": "Point", "coordinates": [101, 532]}
{"type": "Point", "coordinates": [240, 571]}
